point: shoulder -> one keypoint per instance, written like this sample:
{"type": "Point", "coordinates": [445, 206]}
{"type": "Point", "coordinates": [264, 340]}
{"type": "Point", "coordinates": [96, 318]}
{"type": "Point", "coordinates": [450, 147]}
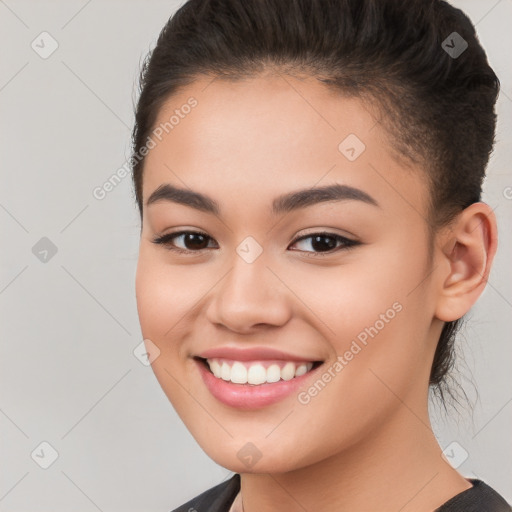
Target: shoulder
{"type": "Point", "coordinates": [216, 499]}
{"type": "Point", "coordinates": [479, 498]}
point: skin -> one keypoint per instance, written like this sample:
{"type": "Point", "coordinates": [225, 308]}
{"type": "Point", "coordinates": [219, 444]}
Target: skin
{"type": "Point", "coordinates": [245, 143]}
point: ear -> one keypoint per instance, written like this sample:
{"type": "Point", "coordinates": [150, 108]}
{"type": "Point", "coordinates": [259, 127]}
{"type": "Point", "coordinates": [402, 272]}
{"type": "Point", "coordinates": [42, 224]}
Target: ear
{"type": "Point", "coordinates": [466, 251]}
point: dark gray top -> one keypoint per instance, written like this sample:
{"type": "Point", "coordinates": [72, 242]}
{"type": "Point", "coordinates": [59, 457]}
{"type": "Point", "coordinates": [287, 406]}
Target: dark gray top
{"type": "Point", "coordinates": [479, 498]}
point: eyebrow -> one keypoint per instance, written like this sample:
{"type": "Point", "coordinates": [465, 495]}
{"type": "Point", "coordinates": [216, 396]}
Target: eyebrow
{"type": "Point", "coordinates": [282, 204]}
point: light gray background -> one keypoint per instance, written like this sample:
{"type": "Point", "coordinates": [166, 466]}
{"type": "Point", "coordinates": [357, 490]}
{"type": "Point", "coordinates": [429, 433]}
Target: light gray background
{"type": "Point", "coordinates": [69, 326]}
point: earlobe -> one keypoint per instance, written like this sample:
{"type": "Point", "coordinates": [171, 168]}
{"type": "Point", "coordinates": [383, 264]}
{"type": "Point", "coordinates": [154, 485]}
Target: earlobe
{"type": "Point", "coordinates": [469, 247]}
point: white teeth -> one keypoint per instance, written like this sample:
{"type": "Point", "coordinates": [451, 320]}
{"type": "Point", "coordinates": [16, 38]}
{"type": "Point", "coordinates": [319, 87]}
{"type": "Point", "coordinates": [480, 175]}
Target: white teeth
{"type": "Point", "coordinates": [288, 372]}
{"type": "Point", "coordinates": [238, 373]}
{"type": "Point", "coordinates": [301, 370]}
{"type": "Point", "coordinates": [225, 371]}
{"type": "Point", "coordinates": [215, 368]}
{"type": "Point", "coordinates": [273, 373]}
{"type": "Point", "coordinates": [256, 373]}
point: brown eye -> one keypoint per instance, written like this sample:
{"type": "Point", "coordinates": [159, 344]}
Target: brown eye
{"type": "Point", "coordinates": [326, 242]}
{"type": "Point", "coordinates": [194, 241]}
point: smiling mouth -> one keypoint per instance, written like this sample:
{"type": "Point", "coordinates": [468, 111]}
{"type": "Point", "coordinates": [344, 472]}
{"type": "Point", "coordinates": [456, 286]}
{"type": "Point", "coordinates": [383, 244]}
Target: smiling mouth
{"type": "Point", "coordinates": [256, 372]}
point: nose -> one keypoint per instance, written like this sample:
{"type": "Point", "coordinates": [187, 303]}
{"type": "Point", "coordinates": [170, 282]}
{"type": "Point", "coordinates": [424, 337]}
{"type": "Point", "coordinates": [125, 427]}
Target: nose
{"type": "Point", "coordinates": [250, 296]}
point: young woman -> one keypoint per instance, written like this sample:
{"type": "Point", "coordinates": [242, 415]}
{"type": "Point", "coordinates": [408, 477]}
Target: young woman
{"type": "Point", "coordinates": [308, 175]}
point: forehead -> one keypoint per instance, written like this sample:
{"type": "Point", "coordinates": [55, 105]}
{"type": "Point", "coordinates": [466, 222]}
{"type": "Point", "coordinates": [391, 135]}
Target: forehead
{"type": "Point", "coordinates": [272, 134]}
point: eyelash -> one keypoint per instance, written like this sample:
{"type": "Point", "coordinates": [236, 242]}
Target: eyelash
{"type": "Point", "coordinates": [165, 240]}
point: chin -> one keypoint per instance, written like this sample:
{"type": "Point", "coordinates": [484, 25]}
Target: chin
{"type": "Point", "coordinates": [245, 456]}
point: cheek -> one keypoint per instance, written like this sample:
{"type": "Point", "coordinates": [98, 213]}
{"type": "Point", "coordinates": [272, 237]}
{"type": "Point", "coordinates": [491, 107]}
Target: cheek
{"type": "Point", "coordinates": [165, 295]}
{"type": "Point", "coordinates": [164, 298]}
{"type": "Point", "coordinates": [375, 313]}
{"type": "Point", "coordinates": [371, 288]}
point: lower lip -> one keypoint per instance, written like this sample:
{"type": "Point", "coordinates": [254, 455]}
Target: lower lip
{"type": "Point", "coordinates": [248, 396]}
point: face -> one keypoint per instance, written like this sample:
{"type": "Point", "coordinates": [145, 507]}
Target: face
{"type": "Point", "coordinates": [334, 282]}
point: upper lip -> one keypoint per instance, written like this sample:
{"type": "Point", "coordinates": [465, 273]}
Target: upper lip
{"type": "Point", "coordinates": [251, 354]}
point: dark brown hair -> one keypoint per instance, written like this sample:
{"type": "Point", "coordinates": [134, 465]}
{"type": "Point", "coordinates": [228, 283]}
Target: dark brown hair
{"type": "Point", "coordinates": [437, 96]}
